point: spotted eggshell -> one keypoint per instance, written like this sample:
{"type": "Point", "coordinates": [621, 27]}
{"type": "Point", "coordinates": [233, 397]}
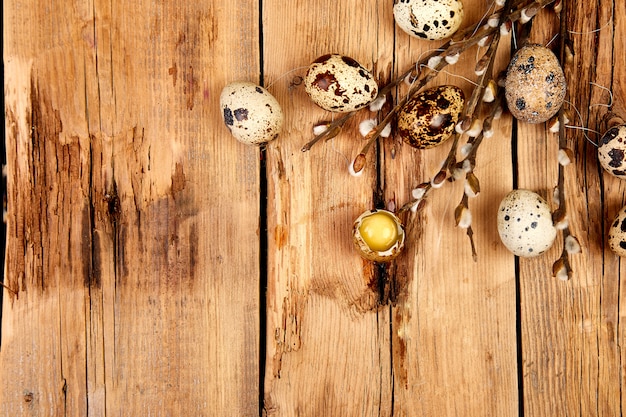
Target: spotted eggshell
{"type": "Point", "coordinates": [428, 19]}
{"type": "Point", "coordinates": [338, 83]}
{"type": "Point", "coordinates": [612, 151]}
{"type": "Point", "coordinates": [429, 117]}
{"type": "Point", "coordinates": [535, 84]}
{"type": "Point", "coordinates": [525, 223]}
{"type": "Point", "coordinates": [617, 233]}
{"type": "Point", "coordinates": [251, 113]}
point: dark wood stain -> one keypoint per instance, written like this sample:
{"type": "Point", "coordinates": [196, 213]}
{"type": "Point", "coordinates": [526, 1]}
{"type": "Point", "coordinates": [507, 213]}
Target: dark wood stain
{"type": "Point", "coordinates": [88, 250]}
{"type": "Point", "coordinates": [178, 180]}
{"type": "Point", "coordinates": [194, 239]}
{"type": "Point", "coordinates": [46, 127]}
{"type": "Point", "coordinates": [173, 71]}
{"type": "Point", "coordinates": [191, 87]}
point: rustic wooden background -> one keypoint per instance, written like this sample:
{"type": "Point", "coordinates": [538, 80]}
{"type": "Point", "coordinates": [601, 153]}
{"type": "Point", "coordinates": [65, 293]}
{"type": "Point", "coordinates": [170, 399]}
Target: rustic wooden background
{"type": "Point", "coordinates": [157, 267]}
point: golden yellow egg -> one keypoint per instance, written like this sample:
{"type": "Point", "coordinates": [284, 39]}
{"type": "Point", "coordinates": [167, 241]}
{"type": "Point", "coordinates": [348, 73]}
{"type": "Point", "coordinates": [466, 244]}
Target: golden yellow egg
{"type": "Point", "coordinates": [378, 235]}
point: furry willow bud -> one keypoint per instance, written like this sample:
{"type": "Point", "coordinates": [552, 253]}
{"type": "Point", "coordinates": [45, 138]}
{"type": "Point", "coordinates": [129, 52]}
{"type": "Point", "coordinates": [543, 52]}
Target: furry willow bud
{"type": "Point", "coordinates": [386, 132]}
{"type": "Point", "coordinates": [572, 246]}
{"type": "Point", "coordinates": [554, 125]}
{"type": "Point", "coordinates": [378, 103]}
{"type": "Point", "coordinates": [483, 42]}
{"type": "Point", "coordinates": [366, 126]}
{"type": "Point", "coordinates": [439, 179]}
{"type": "Point", "coordinates": [482, 64]}
{"type": "Point", "coordinates": [433, 62]}
{"type": "Point", "coordinates": [463, 216]}
{"type": "Point", "coordinates": [465, 150]}
{"type": "Point", "coordinates": [565, 156]}
{"type": "Point", "coordinates": [560, 270]}
{"type": "Point", "coordinates": [505, 28]}
{"type": "Point", "coordinates": [463, 125]}
{"type": "Point", "coordinates": [452, 59]}
{"type": "Point", "coordinates": [557, 6]}
{"type": "Point", "coordinates": [529, 12]}
{"type": "Point", "coordinates": [357, 165]}
{"type": "Point", "coordinates": [494, 20]}
{"type": "Point", "coordinates": [320, 128]}
{"type": "Point", "coordinates": [491, 90]}
{"type": "Point", "coordinates": [419, 191]}
{"type": "Point", "coordinates": [472, 185]}
{"type": "Point", "coordinates": [475, 128]}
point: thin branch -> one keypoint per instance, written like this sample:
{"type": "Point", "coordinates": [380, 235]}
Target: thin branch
{"type": "Point", "coordinates": [562, 267]}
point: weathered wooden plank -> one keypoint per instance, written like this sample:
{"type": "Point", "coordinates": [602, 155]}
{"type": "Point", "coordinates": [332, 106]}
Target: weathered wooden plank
{"type": "Point", "coordinates": [327, 350]}
{"type": "Point", "coordinates": [134, 235]}
{"type": "Point", "coordinates": [129, 205]}
{"type": "Point", "coordinates": [454, 329]}
{"type": "Point", "coordinates": [426, 357]}
{"type": "Point", "coordinates": [47, 261]}
{"type": "Point", "coordinates": [571, 354]}
{"type": "Point", "coordinates": [609, 73]}
{"type": "Point", "coordinates": [617, 267]}
{"type": "Point", "coordinates": [542, 297]}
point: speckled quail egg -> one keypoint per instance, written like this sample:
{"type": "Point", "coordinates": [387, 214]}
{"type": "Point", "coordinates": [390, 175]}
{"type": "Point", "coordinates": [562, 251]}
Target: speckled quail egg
{"type": "Point", "coordinates": [429, 117]}
{"type": "Point", "coordinates": [617, 233]}
{"type": "Point", "coordinates": [428, 19]}
{"type": "Point", "coordinates": [251, 113]}
{"type": "Point", "coordinates": [378, 235]}
{"type": "Point", "coordinates": [338, 83]}
{"type": "Point", "coordinates": [535, 85]}
{"type": "Point", "coordinates": [612, 151]}
{"type": "Point", "coordinates": [525, 223]}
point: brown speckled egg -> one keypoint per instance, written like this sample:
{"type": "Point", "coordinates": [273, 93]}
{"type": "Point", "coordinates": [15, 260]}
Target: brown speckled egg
{"type": "Point", "coordinates": [612, 151]}
{"type": "Point", "coordinates": [251, 113]}
{"type": "Point", "coordinates": [428, 19]}
{"type": "Point", "coordinates": [429, 117]}
{"type": "Point", "coordinates": [617, 233]}
{"type": "Point", "coordinates": [338, 83]}
{"type": "Point", "coordinates": [525, 223]}
{"type": "Point", "coordinates": [535, 84]}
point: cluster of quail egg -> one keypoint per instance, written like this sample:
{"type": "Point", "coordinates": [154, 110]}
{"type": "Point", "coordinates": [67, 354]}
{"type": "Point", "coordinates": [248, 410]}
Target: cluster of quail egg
{"type": "Point", "coordinates": [534, 89]}
{"type": "Point", "coordinates": [338, 83]}
{"type": "Point", "coordinates": [251, 113]}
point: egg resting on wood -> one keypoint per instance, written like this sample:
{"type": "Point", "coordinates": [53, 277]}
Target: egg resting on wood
{"type": "Point", "coordinates": [535, 84]}
{"type": "Point", "coordinates": [612, 151]}
{"type": "Point", "coordinates": [525, 223]}
{"type": "Point", "coordinates": [339, 83]}
{"type": "Point", "coordinates": [617, 233]}
{"type": "Point", "coordinates": [429, 117]}
{"type": "Point", "coordinates": [428, 19]}
{"type": "Point", "coordinates": [251, 113]}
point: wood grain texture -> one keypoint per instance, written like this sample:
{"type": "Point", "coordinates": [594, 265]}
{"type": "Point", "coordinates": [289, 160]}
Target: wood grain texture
{"type": "Point", "coordinates": [571, 352]}
{"type": "Point", "coordinates": [326, 351]}
{"type": "Point", "coordinates": [125, 235]}
{"type": "Point", "coordinates": [137, 225]}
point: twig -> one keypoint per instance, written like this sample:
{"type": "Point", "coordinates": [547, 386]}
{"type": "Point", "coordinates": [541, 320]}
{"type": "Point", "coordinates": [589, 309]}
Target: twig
{"type": "Point", "coordinates": [11, 290]}
{"type": "Point", "coordinates": [332, 130]}
{"type": "Point", "coordinates": [562, 267]}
